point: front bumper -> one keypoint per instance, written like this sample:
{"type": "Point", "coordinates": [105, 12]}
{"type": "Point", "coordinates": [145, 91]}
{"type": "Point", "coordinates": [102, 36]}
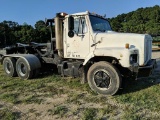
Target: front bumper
{"type": "Point", "coordinates": [146, 71]}
{"type": "Point", "coordinates": [134, 68]}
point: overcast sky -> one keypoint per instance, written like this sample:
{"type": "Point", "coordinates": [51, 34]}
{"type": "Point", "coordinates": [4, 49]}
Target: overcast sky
{"type": "Point", "coordinates": [30, 11]}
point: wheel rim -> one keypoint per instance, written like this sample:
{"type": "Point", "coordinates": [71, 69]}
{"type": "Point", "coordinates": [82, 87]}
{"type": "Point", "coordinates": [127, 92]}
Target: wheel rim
{"type": "Point", "coordinates": [7, 67]}
{"type": "Point", "coordinates": [22, 69]}
{"type": "Point", "coordinates": [102, 79]}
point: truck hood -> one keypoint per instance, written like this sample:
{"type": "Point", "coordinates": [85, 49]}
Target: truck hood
{"type": "Point", "coordinates": [143, 42]}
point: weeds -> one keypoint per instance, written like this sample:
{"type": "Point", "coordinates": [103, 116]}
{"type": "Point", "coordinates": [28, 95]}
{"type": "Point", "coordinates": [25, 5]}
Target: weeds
{"type": "Point", "coordinates": [33, 99]}
{"type": "Point", "coordinates": [10, 97]}
{"type": "Point", "coordinates": [89, 114]}
{"type": "Point", "coordinates": [6, 114]}
{"type": "Point", "coordinates": [59, 110]}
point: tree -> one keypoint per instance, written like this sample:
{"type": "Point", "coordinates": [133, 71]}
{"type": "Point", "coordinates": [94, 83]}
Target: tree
{"type": "Point", "coordinates": [42, 32]}
{"type": "Point", "coordinates": [143, 20]}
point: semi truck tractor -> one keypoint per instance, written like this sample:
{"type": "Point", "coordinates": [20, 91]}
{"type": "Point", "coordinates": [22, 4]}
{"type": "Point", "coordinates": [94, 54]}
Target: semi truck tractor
{"type": "Point", "coordinates": [84, 46]}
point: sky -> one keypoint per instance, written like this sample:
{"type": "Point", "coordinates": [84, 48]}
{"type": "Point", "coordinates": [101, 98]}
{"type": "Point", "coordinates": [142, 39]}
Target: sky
{"type": "Point", "coordinates": [30, 11]}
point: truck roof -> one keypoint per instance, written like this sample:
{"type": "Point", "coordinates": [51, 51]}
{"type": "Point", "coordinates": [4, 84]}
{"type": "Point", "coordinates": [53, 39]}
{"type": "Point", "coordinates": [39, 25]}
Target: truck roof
{"type": "Point", "coordinates": [86, 13]}
{"type": "Point", "coordinates": [81, 13]}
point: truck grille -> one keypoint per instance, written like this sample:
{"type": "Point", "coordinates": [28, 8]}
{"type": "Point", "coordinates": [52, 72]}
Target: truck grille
{"type": "Point", "coordinates": [147, 49]}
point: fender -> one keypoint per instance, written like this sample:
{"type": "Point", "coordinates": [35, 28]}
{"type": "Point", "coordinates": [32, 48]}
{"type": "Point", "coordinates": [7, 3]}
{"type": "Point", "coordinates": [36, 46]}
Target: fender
{"type": "Point", "coordinates": [32, 61]}
{"type": "Point", "coordinates": [122, 54]}
{"type": "Point", "coordinates": [91, 55]}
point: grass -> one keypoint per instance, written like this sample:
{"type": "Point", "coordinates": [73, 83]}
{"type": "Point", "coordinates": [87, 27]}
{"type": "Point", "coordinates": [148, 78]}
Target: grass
{"type": "Point", "coordinates": [10, 97]}
{"type": "Point", "coordinates": [33, 99]}
{"type": "Point", "coordinates": [7, 114]}
{"type": "Point", "coordinates": [51, 96]}
{"type": "Point", "coordinates": [59, 110]}
{"type": "Point", "coordinates": [89, 114]}
{"type": "Point", "coordinates": [146, 94]}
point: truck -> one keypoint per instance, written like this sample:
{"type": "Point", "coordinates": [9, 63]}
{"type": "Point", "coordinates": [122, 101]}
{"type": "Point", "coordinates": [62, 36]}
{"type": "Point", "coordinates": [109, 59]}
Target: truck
{"type": "Point", "coordinates": [84, 46]}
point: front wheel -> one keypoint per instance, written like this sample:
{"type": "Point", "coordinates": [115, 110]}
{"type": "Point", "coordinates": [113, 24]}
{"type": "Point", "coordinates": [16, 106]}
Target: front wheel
{"type": "Point", "coordinates": [104, 78]}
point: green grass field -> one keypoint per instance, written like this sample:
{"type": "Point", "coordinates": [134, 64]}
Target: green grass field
{"type": "Point", "coordinates": [53, 97]}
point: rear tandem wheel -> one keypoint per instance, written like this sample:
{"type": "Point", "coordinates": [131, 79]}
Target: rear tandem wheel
{"type": "Point", "coordinates": [9, 66]}
{"type": "Point", "coordinates": [23, 69]}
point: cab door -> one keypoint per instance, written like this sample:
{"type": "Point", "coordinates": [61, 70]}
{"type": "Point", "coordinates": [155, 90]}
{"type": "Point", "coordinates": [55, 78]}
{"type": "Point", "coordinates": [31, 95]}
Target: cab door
{"type": "Point", "coordinates": [78, 45]}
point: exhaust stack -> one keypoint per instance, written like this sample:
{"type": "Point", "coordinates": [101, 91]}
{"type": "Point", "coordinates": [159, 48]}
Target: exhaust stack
{"type": "Point", "coordinates": [59, 35]}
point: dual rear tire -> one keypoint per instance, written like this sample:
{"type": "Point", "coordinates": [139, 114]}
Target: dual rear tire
{"type": "Point", "coordinates": [20, 67]}
{"type": "Point", "coordinates": [9, 66]}
{"type": "Point", "coordinates": [23, 69]}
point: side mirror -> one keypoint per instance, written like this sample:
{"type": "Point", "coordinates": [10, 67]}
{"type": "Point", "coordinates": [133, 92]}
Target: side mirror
{"type": "Point", "coordinates": [47, 21]}
{"type": "Point", "coordinates": [70, 23]}
{"type": "Point", "coordinates": [70, 26]}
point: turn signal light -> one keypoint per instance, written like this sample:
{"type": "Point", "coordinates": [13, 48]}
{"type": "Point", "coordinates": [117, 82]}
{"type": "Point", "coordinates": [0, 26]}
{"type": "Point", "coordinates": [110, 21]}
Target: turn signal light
{"type": "Point", "coordinates": [127, 45]}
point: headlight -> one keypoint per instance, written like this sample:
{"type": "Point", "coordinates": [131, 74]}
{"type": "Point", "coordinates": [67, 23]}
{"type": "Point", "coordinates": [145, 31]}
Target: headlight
{"type": "Point", "coordinates": [133, 58]}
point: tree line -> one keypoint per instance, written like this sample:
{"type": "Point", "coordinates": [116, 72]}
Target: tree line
{"type": "Point", "coordinates": [142, 20]}
{"type": "Point", "coordinates": [11, 33]}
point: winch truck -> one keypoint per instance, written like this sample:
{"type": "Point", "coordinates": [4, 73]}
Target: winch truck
{"type": "Point", "coordinates": [85, 46]}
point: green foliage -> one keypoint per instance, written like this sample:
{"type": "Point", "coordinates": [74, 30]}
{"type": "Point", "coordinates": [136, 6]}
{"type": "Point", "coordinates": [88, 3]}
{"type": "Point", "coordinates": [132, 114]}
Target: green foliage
{"type": "Point", "coordinates": [89, 114]}
{"type": "Point", "coordinates": [11, 33]}
{"type": "Point", "coordinates": [10, 97]}
{"type": "Point", "coordinates": [6, 114]}
{"type": "Point", "coordinates": [143, 20]}
{"type": "Point", "coordinates": [42, 33]}
{"type": "Point", "coordinates": [156, 38]}
{"type": "Point", "coordinates": [59, 110]}
{"type": "Point", "coordinates": [33, 99]}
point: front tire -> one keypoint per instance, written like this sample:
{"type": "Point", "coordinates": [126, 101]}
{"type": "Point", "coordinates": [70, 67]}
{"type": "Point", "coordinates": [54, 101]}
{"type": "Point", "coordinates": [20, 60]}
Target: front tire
{"type": "Point", "coordinates": [23, 69]}
{"type": "Point", "coordinates": [104, 78]}
{"type": "Point", "coordinates": [9, 66]}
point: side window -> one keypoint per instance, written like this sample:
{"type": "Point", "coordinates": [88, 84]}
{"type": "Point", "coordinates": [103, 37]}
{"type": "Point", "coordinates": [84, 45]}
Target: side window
{"type": "Point", "coordinates": [80, 26]}
{"type": "Point", "coordinates": [76, 25]}
{"type": "Point", "coordinates": [84, 26]}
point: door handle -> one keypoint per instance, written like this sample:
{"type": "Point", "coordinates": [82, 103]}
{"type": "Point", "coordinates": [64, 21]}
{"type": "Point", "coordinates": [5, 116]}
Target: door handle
{"type": "Point", "coordinates": [80, 35]}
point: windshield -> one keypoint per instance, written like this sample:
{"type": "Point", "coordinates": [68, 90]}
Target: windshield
{"type": "Point", "coordinates": [99, 24]}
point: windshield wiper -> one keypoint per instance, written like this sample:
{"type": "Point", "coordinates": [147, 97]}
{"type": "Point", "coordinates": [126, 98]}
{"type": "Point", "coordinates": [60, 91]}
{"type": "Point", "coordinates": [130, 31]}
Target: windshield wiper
{"type": "Point", "coordinates": [100, 30]}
